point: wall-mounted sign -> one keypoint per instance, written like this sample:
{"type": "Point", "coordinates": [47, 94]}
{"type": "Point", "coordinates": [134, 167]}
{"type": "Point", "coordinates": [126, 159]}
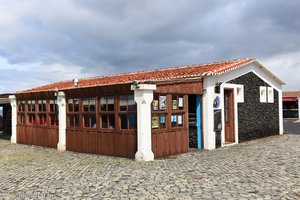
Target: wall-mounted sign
{"type": "Point", "coordinates": [217, 102]}
{"type": "Point", "coordinates": [162, 102]}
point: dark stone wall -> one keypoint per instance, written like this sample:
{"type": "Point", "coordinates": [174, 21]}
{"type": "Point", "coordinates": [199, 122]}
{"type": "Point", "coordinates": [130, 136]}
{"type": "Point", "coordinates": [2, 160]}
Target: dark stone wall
{"type": "Point", "coordinates": [256, 119]}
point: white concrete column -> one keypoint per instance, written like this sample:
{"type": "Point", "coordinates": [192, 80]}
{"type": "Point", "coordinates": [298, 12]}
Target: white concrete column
{"type": "Point", "coordinates": [209, 135]}
{"type": "Point", "coordinates": [62, 114]}
{"type": "Point", "coordinates": [13, 103]}
{"type": "Point", "coordinates": [299, 107]}
{"type": "Point", "coordinates": [280, 112]}
{"type": "Point", "coordinates": [143, 96]}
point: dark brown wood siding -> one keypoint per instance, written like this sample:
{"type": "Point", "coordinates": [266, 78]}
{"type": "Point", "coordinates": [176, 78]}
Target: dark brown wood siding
{"type": "Point", "coordinates": [35, 135]}
{"type": "Point", "coordinates": [121, 144]}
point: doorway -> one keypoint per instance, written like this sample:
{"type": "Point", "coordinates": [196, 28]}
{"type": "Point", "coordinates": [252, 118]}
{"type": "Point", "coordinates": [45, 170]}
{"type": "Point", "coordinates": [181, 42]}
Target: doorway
{"type": "Point", "coordinates": [195, 122]}
{"type": "Point", "coordinates": [229, 115]}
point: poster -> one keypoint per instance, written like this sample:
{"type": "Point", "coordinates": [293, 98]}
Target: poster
{"type": "Point", "coordinates": [162, 102]}
{"type": "Point", "coordinates": [179, 119]}
{"type": "Point", "coordinates": [155, 104]}
{"type": "Point", "coordinates": [155, 121]}
{"type": "Point", "coordinates": [173, 118]}
{"type": "Point", "coordinates": [162, 118]}
{"type": "Point", "coordinates": [180, 102]}
{"type": "Point", "coordinates": [174, 104]}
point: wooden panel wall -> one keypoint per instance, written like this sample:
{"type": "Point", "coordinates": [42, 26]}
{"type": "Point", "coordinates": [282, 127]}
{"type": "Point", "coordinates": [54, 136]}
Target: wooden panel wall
{"type": "Point", "coordinates": [169, 143]}
{"type": "Point", "coordinates": [41, 136]}
{"type": "Point", "coordinates": [121, 144]}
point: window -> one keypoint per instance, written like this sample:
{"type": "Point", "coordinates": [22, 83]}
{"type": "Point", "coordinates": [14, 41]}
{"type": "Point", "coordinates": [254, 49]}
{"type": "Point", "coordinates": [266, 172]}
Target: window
{"type": "Point", "coordinates": [270, 95]}
{"type": "Point", "coordinates": [263, 94]}
{"type": "Point", "coordinates": [21, 106]}
{"type": "Point", "coordinates": [177, 116]}
{"type": "Point", "coordinates": [107, 114]}
{"type": "Point", "coordinates": [42, 109]}
{"type": "Point", "coordinates": [159, 105]}
{"type": "Point", "coordinates": [53, 113]}
{"type": "Point", "coordinates": [31, 106]}
{"type": "Point", "coordinates": [89, 112]}
{"type": "Point", "coordinates": [73, 105]}
{"type": "Point", "coordinates": [42, 105]}
{"type": "Point", "coordinates": [240, 94]}
{"type": "Point", "coordinates": [128, 112]}
{"type": "Point", "coordinates": [31, 112]}
{"type": "Point", "coordinates": [73, 113]}
{"type": "Point", "coordinates": [21, 112]}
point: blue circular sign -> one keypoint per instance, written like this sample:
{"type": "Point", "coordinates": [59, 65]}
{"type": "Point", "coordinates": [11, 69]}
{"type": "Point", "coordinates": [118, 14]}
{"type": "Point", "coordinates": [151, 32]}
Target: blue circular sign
{"type": "Point", "coordinates": [217, 102]}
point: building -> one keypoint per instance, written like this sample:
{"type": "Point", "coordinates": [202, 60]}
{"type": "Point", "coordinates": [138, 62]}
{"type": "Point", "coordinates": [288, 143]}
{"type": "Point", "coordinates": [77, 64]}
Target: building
{"type": "Point", "coordinates": [5, 118]}
{"type": "Point", "coordinates": [291, 104]}
{"type": "Point", "coordinates": [152, 114]}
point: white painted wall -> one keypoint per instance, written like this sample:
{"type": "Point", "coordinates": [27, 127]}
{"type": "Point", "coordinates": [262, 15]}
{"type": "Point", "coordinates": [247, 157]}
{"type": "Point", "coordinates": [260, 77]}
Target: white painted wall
{"type": "Point", "coordinates": [62, 113]}
{"type": "Point", "coordinates": [13, 103]}
{"type": "Point", "coordinates": [208, 113]}
{"type": "Point", "coordinates": [143, 96]}
{"type": "Point", "coordinates": [299, 107]}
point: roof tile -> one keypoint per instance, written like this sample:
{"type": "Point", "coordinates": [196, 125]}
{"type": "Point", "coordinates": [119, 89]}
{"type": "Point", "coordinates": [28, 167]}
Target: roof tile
{"type": "Point", "coordinates": [198, 70]}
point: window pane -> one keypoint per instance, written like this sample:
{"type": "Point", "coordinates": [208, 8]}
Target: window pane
{"type": "Point", "coordinates": [76, 105]}
{"type": "Point", "coordinates": [93, 121]}
{"type": "Point", "coordinates": [76, 120]}
{"type": "Point", "coordinates": [42, 119]}
{"type": "Point", "coordinates": [131, 103]}
{"type": "Point", "coordinates": [123, 103]}
{"type": "Point", "coordinates": [162, 121]}
{"type": "Point", "coordinates": [110, 104]}
{"type": "Point", "coordinates": [44, 105]}
{"type": "Point", "coordinates": [70, 103]}
{"type": "Point", "coordinates": [111, 123]}
{"type": "Point", "coordinates": [124, 122]}
{"type": "Point", "coordinates": [85, 105]}
{"type": "Point", "coordinates": [103, 103]}
{"type": "Point", "coordinates": [132, 120]}
{"type": "Point", "coordinates": [86, 121]}
{"type": "Point", "coordinates": [92, 105]}
{"type": "Point", "coordinates": [104, 121]}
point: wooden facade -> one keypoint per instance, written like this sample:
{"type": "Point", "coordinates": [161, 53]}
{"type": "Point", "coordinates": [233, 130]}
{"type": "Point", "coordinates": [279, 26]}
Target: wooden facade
{"type": "Point", "coordinates": [88, 128]}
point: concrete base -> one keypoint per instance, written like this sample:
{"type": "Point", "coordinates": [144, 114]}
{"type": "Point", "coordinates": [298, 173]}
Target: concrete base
{"type": "Point", "coordinates": [61, 147]}
{"type": "Point", "coordinates": [13, 140]}
{"type": "Point", "coordinates": [144, 156]}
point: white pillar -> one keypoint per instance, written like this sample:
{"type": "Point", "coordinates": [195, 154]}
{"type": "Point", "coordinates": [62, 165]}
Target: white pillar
{"type": "Point", "coordinates": [209, 135]}
{"type": "Point", "coordinates": [62, 113]}
{"type": "Point", "coordinates": [143, 96]}
{"type": "Point", "coordinates": [280, 112]}
{"type": "Point", "coordinates": [299, 107]}
{"type": "Point", "coordinates": [13, 103]}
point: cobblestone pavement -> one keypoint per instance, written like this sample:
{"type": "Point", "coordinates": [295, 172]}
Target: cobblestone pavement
{"type": "Point", "coordinates": [291, 126]}
{"type": "Point", "coordinates": [268, 168]}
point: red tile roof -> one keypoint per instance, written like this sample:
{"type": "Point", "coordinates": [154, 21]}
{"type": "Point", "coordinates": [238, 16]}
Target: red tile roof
{"type": "Point", "coordinates": [188, 71]}
{"type": "Point", "coordinates": [294, 93]}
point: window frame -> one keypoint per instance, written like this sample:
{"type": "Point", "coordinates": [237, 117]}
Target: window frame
{"type": "Point", "coordinates": [107, 112]}
{"type": "Point", "coordinates": [127, 113]}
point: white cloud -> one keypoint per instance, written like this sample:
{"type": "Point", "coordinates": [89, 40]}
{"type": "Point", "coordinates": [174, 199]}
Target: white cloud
{"type": "Point", "coordinates": [287, 67]}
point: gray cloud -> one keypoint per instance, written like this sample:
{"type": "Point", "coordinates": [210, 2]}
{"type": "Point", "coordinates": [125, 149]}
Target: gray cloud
{"type": "Point", "coordinates": [104, 37]}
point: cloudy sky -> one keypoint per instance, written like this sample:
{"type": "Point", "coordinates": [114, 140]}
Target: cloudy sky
{"type": "Point", "coordinates": [47, 41]}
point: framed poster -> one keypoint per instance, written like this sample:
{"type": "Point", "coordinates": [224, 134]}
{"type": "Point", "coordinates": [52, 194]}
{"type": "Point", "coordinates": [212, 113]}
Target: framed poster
{"type": "Point", "coordinates": [180, 102]}
{"type": "Point", "coordinates": [174, 104]}
{"type": "Point", "coordinates": [155, 104]}
{"type": "Point", "coordinates": [173, 118]}
{"type": "Point", "coordinates": [162, 102]}
{"type": "Point", "coordinates": [179, 119]}
{"type": "Point", "coordinates": [154, 121]}
{"type": "Point", "coordinates": [162, 118]}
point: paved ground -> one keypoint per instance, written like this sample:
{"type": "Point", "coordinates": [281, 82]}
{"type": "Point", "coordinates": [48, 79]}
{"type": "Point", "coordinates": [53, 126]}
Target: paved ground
{"type": "Point", "coordinates": [263, 169]}
{"type": "Point", "coordinates": [291, 126]}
